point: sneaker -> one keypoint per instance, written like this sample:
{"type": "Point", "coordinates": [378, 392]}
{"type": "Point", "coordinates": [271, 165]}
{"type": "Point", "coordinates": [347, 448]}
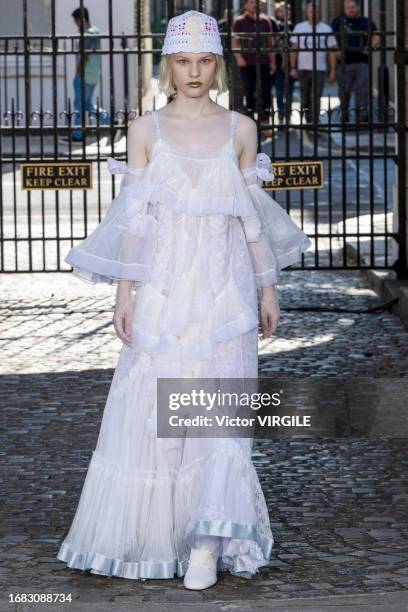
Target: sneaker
{"type": "Point", "coordinates": [66, 140]}
{"type": "Point", "coordinates": [202, 570]}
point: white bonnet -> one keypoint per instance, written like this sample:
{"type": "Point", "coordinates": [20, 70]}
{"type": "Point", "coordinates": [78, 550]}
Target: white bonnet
{"type": "Point", "coordinates": [193, 32]}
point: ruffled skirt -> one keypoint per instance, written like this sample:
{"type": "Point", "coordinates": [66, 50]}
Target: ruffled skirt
{"type": "Point", "coordinates": [146, 501]}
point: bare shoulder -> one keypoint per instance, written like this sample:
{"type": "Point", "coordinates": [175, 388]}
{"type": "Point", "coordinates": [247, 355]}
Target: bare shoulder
{"type": "Point", "coordinates": [246, 133]}
{"type": "Point", "coordinates": [140, 136]}
{"type": "Point", "coordinates": [244, 122]}
{"type": "Point", "coordinates": [246, 127]}
{"type": "Point", "coordinates": [141, 125]}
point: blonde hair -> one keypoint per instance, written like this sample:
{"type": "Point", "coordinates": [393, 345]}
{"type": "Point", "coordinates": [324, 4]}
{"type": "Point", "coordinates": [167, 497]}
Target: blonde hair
{"type": "Point", "coordinates": [166, 82]}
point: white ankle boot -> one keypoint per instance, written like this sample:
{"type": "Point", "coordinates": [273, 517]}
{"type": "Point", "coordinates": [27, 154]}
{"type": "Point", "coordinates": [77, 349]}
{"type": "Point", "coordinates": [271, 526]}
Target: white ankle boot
{"type": "Point", "coordinates": [202, 569]}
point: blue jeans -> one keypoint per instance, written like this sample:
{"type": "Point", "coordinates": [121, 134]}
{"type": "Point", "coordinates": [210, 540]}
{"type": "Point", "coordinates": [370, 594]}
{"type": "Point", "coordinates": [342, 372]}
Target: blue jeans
{"type": "Point", "coordinates": [89, 106]}
{"type": "Point", "coordinates": [278, 80]}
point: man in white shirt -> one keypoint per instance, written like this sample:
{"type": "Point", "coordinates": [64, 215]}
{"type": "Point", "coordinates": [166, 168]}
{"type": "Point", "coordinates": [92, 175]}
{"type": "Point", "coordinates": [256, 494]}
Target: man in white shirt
{"type": "Point", "coordinates": [309, 60]}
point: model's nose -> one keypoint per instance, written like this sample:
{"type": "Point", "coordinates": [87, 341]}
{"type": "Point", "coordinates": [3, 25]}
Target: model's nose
{"type": "Point", "coordinates": [194, 72]}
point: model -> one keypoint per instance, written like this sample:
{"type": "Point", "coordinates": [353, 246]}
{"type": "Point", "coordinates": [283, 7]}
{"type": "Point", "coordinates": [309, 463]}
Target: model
{"type": "Point", "coordinates": [191, 241]}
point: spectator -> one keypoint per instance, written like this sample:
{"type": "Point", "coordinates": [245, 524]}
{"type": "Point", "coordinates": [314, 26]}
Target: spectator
{"type": "Point", "coordinates": [311, 65]}
{"type": "Point", "coordinates": [283, 14]}
{"type": "Point", "coordinates": [246, 23]}
{"type": "Point", "coordinates": [223, 30]}
{"type": "Point", "coordinates": [91, 72]}
{"type": "Point", "coordinates": [354, 69]}
{"type": "Point", "coordinates": [223, 23]}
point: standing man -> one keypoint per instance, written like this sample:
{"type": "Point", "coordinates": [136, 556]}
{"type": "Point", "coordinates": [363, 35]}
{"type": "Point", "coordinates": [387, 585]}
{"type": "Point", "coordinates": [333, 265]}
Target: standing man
{"type": "Point", "coordinates": [91, 72]}
{"type": "Point", "coordinates": [302, 62]}
{"type": "Point", "coordinates": [354, 68]}
{"type": "Point", "coordinates": [282, 74]}
{"type": "Point", "coordinates": [246, 23]}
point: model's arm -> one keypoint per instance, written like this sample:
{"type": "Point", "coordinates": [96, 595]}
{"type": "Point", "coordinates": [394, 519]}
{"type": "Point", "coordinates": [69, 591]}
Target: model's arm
{"type": "Point", "coordinates": [137, 136]}
{"type": "Point", "coordinates": [247, 142]}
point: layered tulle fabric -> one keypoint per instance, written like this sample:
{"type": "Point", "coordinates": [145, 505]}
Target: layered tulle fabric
{"type": "Point", "coordinates": [124, 244]}
{"type": "Point", "coordinates": [188, 232]}
{"type": "Point", "coordinates": [146, 500]}
{"type": "Point", "coordinates": [205, 296]}
{"type": "Point", "coordinates": [275, 241]}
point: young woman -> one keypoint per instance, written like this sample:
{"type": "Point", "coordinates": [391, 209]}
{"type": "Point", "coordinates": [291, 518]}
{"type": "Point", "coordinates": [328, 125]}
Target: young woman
{"type": "Point", "coordinates": [188, 241]}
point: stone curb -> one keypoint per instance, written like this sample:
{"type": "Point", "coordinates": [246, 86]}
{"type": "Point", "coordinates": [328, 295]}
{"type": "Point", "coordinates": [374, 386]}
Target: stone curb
{"type": "Point", "coordinates": [386, 284]}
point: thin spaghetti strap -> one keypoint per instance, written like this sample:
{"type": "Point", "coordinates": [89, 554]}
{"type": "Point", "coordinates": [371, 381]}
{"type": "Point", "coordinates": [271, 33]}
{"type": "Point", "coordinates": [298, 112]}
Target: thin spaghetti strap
{"type": "Point", "coordinates": [233, 126]}
{"type": "Point", "coordinates": [156, 124]}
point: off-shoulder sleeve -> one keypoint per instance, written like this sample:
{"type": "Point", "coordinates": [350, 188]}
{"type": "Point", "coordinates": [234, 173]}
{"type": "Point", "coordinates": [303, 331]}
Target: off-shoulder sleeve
{"type": "Point", "coordinates": [122, 246]}
{"type": "Point", "coordinates": [274, 240]}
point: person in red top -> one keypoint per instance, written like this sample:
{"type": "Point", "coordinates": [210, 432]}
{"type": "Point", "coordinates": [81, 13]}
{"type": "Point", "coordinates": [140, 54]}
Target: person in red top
{"type": "Point", "coordinates": [246, 23]}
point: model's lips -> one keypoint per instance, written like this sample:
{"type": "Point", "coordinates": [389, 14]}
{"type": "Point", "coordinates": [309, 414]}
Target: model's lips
{"type": "Point", "coordinates": [195, 84]}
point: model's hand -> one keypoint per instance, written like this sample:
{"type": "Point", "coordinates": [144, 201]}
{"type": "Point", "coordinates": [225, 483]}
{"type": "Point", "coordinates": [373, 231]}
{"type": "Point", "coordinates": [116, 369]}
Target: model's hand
{"type": "Point", "coordinates": [241, 61]}
{"type": "Point", "coordinates": [270, 311]}
{"type": "Point", "coordinates": [293, 73]}
{"type": "Point", "coordinates": [123, 319]}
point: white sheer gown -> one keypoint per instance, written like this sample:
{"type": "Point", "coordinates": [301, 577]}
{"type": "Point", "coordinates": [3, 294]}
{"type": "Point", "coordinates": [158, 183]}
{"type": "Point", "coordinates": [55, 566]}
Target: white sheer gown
{"type": "Point", "coordinates": [198, 237]}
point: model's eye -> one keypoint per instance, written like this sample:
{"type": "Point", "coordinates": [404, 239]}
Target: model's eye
{"type": "Point", "coordinates": [206, 60]}
{"type": "Point", "coordinates": [182, 61]}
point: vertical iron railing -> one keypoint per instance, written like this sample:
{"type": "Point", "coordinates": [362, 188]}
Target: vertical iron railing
{"type": "Point", "coordinates": [348, 220]}
{"type": "Point", "coordinates": [401, 60]}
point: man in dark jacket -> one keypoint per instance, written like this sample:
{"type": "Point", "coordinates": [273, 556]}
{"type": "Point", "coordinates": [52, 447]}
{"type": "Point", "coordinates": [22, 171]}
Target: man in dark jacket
{"type": "Point", "coordinates": [353, 73]}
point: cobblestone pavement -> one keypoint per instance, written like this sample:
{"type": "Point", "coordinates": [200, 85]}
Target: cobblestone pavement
{"type": "Point", "coordinates": [338, 507]}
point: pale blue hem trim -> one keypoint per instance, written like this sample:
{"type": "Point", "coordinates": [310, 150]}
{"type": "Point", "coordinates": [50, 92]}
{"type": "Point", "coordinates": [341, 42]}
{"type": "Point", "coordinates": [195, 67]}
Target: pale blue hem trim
{"type": "Point", "coordinates": [121, 569]}
{"type": "Point", "coordinates": [100, 564]}
{"type": "Point", "coordinates": [228, 529]}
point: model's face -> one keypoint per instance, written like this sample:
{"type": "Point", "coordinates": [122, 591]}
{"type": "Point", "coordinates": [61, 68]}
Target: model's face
{"type": "Point", "coordinates": [193, 73]}
{"type": "Point", "coordinates": [351, 9]}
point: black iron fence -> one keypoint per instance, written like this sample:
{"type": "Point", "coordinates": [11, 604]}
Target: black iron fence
{"type": "Point", "coordinates": [356, 219]}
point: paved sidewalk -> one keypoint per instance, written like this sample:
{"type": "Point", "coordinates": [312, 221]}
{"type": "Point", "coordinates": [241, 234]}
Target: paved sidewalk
{"type": "Point", "coordinates": [338, 508]}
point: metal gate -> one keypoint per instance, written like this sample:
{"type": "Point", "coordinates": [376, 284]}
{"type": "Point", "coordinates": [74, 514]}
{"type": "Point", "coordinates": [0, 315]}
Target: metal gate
{"type": "Point", "coordinates": [356, 220]}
